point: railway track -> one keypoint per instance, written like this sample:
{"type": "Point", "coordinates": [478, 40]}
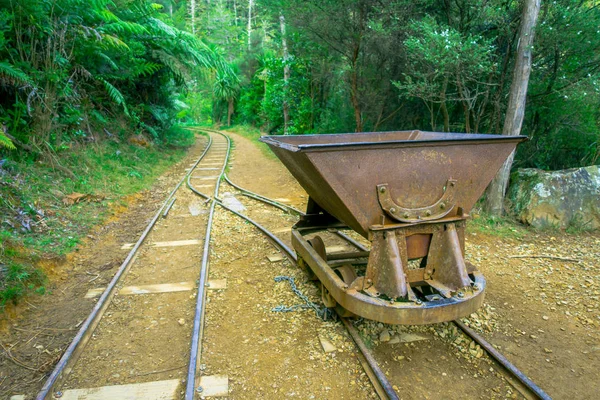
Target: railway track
{"type": "Point", "coordinates": [93, 349]}
{"type": "Point", "coordinates": [523, 384]}
{"type": "Point", "coordinates": [137, 344]}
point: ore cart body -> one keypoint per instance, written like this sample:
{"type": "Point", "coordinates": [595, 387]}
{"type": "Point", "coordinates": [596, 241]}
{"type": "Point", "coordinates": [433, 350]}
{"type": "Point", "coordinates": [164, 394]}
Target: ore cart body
{"type": "Point", "coordinates": [409, 193]}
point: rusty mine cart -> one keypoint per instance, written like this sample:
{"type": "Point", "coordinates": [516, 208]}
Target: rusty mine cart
{"type": "Point", "coordinates": [409, 194]}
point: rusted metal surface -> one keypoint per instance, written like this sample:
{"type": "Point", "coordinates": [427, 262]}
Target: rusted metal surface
{"type": "Point", "coordinates": [439, 209]}
{"type": "Point", "coordinates": [353, 299]}
{"type": "Point", "coordinates": [341, 172]}
{"type": "Point", "coordinates": [348, 275]}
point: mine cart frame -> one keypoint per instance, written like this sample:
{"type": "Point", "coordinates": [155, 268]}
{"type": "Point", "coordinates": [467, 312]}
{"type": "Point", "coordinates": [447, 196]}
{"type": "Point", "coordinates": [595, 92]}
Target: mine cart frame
{"type": "Point", "coordinates": [444, 287]}
{"type": "Point", "coordinates": [409, 194]}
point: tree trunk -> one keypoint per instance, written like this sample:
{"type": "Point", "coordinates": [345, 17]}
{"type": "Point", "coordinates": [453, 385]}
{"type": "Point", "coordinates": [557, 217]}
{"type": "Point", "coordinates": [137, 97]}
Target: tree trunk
{"type": "Point", "coordinates": [444, 108]}
{"type": "Point", "coordinates": [229, 111]}
{"type": "Point", "coordinates": [286, 76]}
{"type": "Point", "coordinates": [354, 87]}
{"type": "Point", "coordinates": [515, 112]}
{"type": "Point", "coordinates": [193, 15]}
{"type": "Point", "coordinates": [250, 2]}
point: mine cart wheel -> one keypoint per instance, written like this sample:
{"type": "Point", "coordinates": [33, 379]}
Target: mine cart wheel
{"type": "Point", "coordinates": [319, 246]}
{"type": "Point", "coordinates": [348, 275]}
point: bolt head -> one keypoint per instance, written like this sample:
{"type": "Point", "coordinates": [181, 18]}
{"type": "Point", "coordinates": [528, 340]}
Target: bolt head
{"type": "Point", "coordinates": [382, 189]}
{"type": "Point", "coordinates": [199, 389]}
{"type": "Point", "coordinates": [428, 213]}
{"type": "Point", "coordinates": [442, 205]}
{"type": "Point", "coordinates": [392, 210]}
{"type": "Point", "coordinates": [475, 287]}
{"type": "Point", "coordinates": [369, 281]}
{"type": "Point", "coordinates": [419, 301]}
{"type": "Point", "coordinates": [461, 294]}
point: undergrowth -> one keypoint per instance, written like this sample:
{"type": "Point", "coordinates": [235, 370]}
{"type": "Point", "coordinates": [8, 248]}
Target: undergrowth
{"type": "Point", "coordinates": [496, 226]}
{"type": "Point", "coordinates": [35, 219]}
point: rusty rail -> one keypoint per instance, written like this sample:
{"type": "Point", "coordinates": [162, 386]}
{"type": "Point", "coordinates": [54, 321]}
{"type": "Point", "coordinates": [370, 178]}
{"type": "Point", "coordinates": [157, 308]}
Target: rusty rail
{"type": "Point", "coordinates": [528, 388]}
{"type": "Point", "coordinates": [197, 333]}
{"type": "Point", "coordinates": [377, 376]}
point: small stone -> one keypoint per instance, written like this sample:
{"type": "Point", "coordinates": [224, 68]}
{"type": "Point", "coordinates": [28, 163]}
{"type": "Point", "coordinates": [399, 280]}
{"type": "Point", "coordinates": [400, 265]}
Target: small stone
{"type": "Point", "coordinates": [533, 336]}
{"type": "Point", "coordinates": [547, 350]}
{"type": "Point", "coordinates": [384, 336]}
{"type": "Point", "coordinates": [181, 321]}
{"type": "Point", "coordinates": [545, 317]}
{"type": "Point", "coordinates": [328, 347]}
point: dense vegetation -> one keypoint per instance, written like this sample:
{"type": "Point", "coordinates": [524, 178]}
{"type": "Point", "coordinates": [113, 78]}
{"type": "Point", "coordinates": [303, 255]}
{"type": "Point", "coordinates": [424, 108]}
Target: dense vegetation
{"type": "Point", "coordinates": [90, 92]}
{"type": "Point", "coordinates": [398, 64]}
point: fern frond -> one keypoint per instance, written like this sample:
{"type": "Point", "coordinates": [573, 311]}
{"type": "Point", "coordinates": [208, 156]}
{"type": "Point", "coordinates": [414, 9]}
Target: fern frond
{"type": "Point", "coordinates": [124, 27]}
{"type": "Point", "coordinates": [106, 16]}
{"type": "Point", "coordinates": [6, 142]}
{"type": "Point", "coordinates": [108, 60]}
{"type": "Point", "coordinates": [114, 42]}
{"type": "Point", "coordinates": [11, 74]}
{"type": "Point", "coordinates": [146, 69]}
{"type": "Point", "coordinates": [161, 29]}
{"type": "Point", "coordinates": [115, 95]}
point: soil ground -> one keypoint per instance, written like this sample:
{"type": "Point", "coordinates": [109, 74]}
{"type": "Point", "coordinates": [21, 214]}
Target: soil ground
{"type": "Point", "coordinates": [542, 313]}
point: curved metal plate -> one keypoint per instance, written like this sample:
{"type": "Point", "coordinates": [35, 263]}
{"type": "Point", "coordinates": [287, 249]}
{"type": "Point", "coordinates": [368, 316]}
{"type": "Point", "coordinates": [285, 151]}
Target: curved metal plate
{"type": "Point", "coordinates": [437, 210]}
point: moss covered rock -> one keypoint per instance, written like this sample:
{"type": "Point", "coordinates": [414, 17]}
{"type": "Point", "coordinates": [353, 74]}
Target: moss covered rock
{"type": "Point", "coordinates": [563, 199]}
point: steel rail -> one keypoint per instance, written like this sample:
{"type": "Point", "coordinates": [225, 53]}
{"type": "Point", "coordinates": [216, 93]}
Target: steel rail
{"type": "Point", "coordinates": [168, 208]}
{"type": "Point", "coordinates": [198, 331]}
{"type": "Point", "coordinates": [527, 388]}
{"type": "Point", "coordinates": [533, 390]}
{"type": "Point", "coordinates": [80, 340]}
{"type": "Point", "coordinates": [263, 199]}
{"type": "Point", "coordinates": [375, 372]}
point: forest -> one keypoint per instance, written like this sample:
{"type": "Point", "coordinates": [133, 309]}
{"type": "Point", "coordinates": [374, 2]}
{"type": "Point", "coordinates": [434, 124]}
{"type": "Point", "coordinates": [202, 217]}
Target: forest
{"type": "Point", "coordinates": [94, 93]}
{"type": "Point", "coordinates": [75, 71]}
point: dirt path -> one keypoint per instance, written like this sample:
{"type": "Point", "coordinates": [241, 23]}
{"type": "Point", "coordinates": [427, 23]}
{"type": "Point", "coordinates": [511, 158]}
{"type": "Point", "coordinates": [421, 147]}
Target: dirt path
{"type": "Point", "coordinates": [546, 311]}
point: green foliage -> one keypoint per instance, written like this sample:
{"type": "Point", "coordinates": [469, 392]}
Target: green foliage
{"type": "Point", "coordinates": [31, 193]}
{"type": "Point", "coordinates": [68, 66]}
{"type": "Point", "coordinates": [445, 66]}
{"type": "Point", "coordinates": [16, 280]}
{"type": "Point", "coordinates": [422, 64]}
{"type": "Point", "coordinates": [496, 226]}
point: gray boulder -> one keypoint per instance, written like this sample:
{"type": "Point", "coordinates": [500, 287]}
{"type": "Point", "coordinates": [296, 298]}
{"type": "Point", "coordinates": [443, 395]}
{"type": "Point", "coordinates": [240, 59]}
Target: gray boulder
{"type": "Point", "coordinates": [562, 199]}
